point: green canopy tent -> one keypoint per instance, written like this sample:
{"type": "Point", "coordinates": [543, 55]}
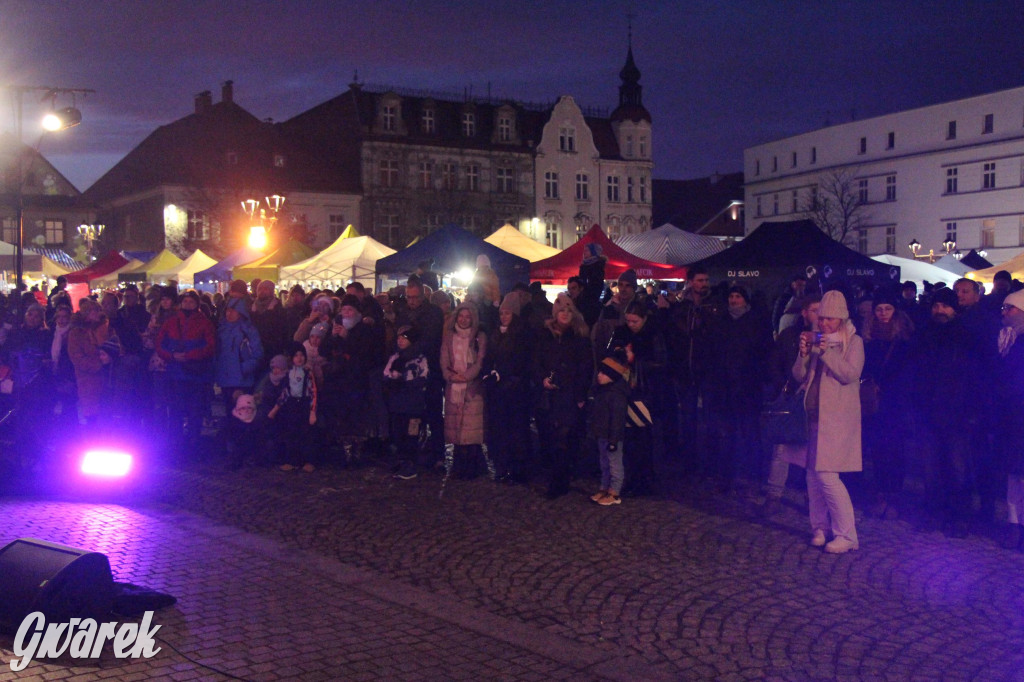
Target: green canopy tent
{"type": "Point", "coordinates": [267, 267]}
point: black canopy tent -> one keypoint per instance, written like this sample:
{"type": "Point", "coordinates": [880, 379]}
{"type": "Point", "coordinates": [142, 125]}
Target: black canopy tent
{"type": "Point", "coordinates": [770, 256]}
{"type": "Point", "coordinates": [454, 249]}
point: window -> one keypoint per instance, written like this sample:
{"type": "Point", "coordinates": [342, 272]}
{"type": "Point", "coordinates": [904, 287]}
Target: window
{"type": "Point", "coordinates": [468, 124]}
{"type": "Point", "coordinates": [9, 231]}
{"type": "Point", "coordinates": [775, 164]}
{"type": "Point", "coordinates": [988, 176]}
{"type": "Point", "coordinates": [759, 207]}
{"type": "Point", "coordinates": [427, 121]}
{"type": "Point", "coordinates": [863, 149]}
{"type": "Point", "coordinates": [862, 240]}
{"type": "Point", "coordinates": [582, 187]}
{"type": "Point", "coordinates": [950, 232]}
{"type": "Point", "coordinates": [198, 228]}
{"type": "Point", "coordinates": [431, 222]}
{"type": "Point", "coordinates": [505, 180]}
{"type": "Point", "coordinates": [388, 118]}
{"type": "Point", "coordinates": [643, 190]}
{"type": "Point", "coordinates": [53, 231]}
{"type": "Point", "coordinates": [775, 204]}
{"type": "Point", "coordinates": [643, 147]}
{"type": "Point", "coordinates": [794, 198]}
{"type": "Point", "coordinates": [793, 162]}
{"type": "Point", "coordinates": [814, 155]}
{"type": "Point", "coordinates": [862, 191]}
{"type": "Point", "coordinates": [278, 160]}
{"type": "Point", "coordinates": [951, 180]}
{"type": "Point", "coordinates": [890, 143]}
{"type": "Point", "coordinates": [335, 225]}
{"type": "Point", "coordinates": [388, 173]}
{"type": "Point", "coordinates": [988, 124]}
{"type": "Point", "coordinates": [473, 177]}
{"type": "Point", "coordinates": [951, 130]}
{"type": "Point", "coordinates": [890, 188]}
{"type": "Point", "coordinates": [389, 228]}
{"type": "Point", "coordinates": [231, 158]}
{"type": "Point", "coordinates": [890, 239]}
{"type": "Point", "coordinates": [551, 185]}
{"type": "Point", "coordinates": [426, 175]}
{"type": "Point", "coordinates": [449, 176]}
{"type": "Point", "coordinates": [629, 146]}
{"type": "Point", "coordinates": [988, 234]}
{"type": "Point", "coordinates": [629, 190]}
{"type": "Point", "coordinates": [504, 129]}
{"type": "Point", "coordinates": [757, 167]}
{"type": "Point", "coordinates": [814, 197]}
{"type": "Point", "coordinates": [613, 188]}
{"type": "Point", "coordinates": [567, 139]}
{"type": "Point", "coordinates": [551, 231]}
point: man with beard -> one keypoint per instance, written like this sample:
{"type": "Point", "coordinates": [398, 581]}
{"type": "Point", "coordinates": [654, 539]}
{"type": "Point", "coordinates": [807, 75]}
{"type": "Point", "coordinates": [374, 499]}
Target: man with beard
{"type": "Point", "coordinates": [268, 316]}
{"type": "Point", "coordinates": [945, 376]}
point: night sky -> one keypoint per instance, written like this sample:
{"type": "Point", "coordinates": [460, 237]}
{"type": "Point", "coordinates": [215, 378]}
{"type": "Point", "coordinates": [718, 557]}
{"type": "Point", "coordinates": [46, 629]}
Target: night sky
{"type": "Point", "coordinates": [717, 76]}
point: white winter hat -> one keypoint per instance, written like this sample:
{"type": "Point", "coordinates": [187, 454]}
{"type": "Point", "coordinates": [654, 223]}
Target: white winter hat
{"type": "Point", "coordinates": [833, 304]}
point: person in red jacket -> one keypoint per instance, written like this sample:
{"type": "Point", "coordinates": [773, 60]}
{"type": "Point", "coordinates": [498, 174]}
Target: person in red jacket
{"type": "Point", "coordinates": [186, 343]}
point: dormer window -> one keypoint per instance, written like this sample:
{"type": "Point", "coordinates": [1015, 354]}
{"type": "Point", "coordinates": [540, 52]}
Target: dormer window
{"type": "Point", "coordinates": [278, 160]}
{"type": "Point", "coordinates": [567, 139]}
{"type": "Point", "coordinates": [231, 158]}
{"type": "Point", "coordinates": [468, 124]}
{"type": "Point", "coordinates": [504, 128]}
{"type": "Point", "coordinates": [389, 118]}
{"type": "Point", "coordinates": [427, 121]}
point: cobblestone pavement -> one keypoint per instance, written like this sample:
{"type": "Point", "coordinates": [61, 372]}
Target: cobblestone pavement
{"type": "Point", "coordinates": [395, 579]}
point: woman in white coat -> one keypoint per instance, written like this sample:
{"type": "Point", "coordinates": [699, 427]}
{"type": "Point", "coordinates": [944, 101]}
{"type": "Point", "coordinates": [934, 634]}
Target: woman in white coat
{"type": "Point", "coordinates": [830, 369]}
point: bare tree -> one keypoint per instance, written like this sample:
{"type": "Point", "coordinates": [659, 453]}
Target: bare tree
{"type": "Point", "coordinates": [836, 206]}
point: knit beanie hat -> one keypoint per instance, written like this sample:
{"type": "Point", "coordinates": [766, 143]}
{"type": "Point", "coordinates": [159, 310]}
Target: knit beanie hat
{"type": "Point", "coordinates": [192, 293]}
{"type": "Point", "coordinates": [562, 302]}
{"type": "Point", "coordinates": [629, 277]}
{"type": "Point", "coordinates": [409, 333]}
{"type": "Point", "coordinates": [592, 253]}
{"type": "Point", "coordinates": [279, 362]}
{"type": "Point", "coordinates": [350, 300]}
{"type": "Point", "coordinates": [884, 298]}
{"type": "Point", "coordinates": [245, 408]}
{"type": "Point", "coordinates": [1016, 299]}
{"type": "Point", "coordinates": [947, 297]}
{"type": "Point", "coordinates": [238, 287]}
{"type": "Point", "coordinates": [833, 304]}
{"type": "Point", "coordinates": [239, 306]}
{"type": "Point", "coordinates": [511, 302]}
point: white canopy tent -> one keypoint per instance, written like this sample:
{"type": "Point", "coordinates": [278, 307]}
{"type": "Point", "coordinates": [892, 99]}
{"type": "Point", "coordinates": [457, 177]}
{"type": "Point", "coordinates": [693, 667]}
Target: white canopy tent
{"type": "Point", "coordinates": [183, 273]}
{"type": "Point", "coordinates": [669, 244]}
{"type": "Point", "coordinates": [348, 259]}
{"type": "Point", "coordinates": [948, 262]}
{"type": "Point", "coordinates": [110, 279]}
{"type": "Point", "coordinates": [918, 271]}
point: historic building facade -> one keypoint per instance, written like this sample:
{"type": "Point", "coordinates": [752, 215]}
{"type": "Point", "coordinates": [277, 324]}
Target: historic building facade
{"type": "Point", "coordinates": [949, 175]}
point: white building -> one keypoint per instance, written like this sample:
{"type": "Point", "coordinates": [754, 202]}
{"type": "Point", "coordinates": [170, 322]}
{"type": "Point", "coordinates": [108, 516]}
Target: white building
{"type": "Point", "coordinates": [951, 172]}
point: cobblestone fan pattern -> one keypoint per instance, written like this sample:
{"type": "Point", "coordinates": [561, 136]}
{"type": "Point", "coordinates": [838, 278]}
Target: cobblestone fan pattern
{"type": "Point", "coordinates": [260, 611]}
{"type": "Point", "coordinates": [696, 585]}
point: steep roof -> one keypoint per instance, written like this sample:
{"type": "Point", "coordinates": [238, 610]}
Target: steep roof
{"type": "Point", "coordinates": [221, 146]}
{"type": "Point", "coordinates": [690, 204]}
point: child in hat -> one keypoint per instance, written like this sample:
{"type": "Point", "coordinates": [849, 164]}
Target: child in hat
{"type": "Point", "coordinates": [610, 394]}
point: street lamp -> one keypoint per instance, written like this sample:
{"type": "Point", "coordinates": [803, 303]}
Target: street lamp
{"type": "Point", "coordinates": [915, 246]}
{"type": "Point", "coordinates": [90, 233]}
{"type": "Point", "coordinates": [258, 230]}
{"type": "Point", "coordinates": [57, 120]}
{"type": "Point", "coordinates": [950, 244]}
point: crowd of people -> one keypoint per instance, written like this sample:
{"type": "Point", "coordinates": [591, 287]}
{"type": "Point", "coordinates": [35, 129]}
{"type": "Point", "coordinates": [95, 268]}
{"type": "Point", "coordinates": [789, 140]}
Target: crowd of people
{"type": "Point", "coordinates": [639, 380]}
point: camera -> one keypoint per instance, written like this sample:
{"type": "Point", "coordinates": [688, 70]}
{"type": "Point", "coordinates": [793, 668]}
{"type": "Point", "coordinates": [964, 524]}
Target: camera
{"type": "Point", "coordinates": [818, 337]}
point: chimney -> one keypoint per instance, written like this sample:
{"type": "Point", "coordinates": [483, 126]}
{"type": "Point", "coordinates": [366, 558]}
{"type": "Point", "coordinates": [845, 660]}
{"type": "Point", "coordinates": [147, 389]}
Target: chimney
{"type": "Point", "coordinates": [204, 100]}
{"type": "Point", "coordinates": [227, 91]}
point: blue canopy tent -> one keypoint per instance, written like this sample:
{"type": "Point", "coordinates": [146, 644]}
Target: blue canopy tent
{"type": "Point", "coordinates": [221, 272]}
{"type": "Point", "coordinates": [454, 249]}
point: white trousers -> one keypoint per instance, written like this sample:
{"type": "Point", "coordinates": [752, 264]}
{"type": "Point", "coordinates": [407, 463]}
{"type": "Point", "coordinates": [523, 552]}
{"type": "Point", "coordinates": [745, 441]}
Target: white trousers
{"type": "Point", "coordinates": [827, 497]}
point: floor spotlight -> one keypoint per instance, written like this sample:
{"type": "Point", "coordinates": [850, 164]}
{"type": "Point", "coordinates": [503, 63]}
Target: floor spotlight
{"type": "Point", "coordinates": [106, 463]}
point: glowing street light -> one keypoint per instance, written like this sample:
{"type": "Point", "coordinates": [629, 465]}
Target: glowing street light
{"type": "Point", "coordinates": [62, 119]}
{"type": "Point", "coordinates": [915, 246]}
{"type": "Point", "coordinates": [90, 233]}
{"type": "Point", "coordinates": [258, 228]}
{"type": "Point", "coordinates": [949, 244]}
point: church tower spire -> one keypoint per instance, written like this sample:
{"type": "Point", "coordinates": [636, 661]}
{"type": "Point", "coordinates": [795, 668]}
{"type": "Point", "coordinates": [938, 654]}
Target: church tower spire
{"type": "Point", "coordinates": [631, 104]}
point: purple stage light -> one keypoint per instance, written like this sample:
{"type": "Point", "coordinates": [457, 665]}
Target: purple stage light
{"type": "Point", "coordinates": [106, 463]}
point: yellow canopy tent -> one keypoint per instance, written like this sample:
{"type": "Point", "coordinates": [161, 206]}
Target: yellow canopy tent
{"type": "Point", "coordinates": [165, 260]}
{"type": "Point", "coordinates": [1015, 266]}
{"type": "Point", "coordinates": [268, 266]}
{"type": "Point", "coordinates": [184, 271]}
{"type": "Point", "coordinates": [508, 238]}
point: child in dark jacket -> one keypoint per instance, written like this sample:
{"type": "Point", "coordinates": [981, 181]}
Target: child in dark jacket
{"type": "Point", "coordinates": [405, 383]}
{"type": "Point", "coordinates": [242, 432]}
{"type": "Point", "coordinates": [608, 422]}
{"type": "Point", "coordinates": [294, 414]}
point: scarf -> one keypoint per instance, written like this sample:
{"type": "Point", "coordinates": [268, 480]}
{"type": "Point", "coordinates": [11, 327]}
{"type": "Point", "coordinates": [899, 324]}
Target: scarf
{"type": "Point", "coordinates": [1007, 337]}
{"type": "Point", "coordinates": [738, 311]}
{"type": "Point", "coordinates": [59, 335]}
{"type": "Point", "coordinates": [296, 381]}
{"type": "Point", "coordinates": [462, 358]}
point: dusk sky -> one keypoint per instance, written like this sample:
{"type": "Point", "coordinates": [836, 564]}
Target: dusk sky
{"type": "Point", "coordinates": [717, 76]}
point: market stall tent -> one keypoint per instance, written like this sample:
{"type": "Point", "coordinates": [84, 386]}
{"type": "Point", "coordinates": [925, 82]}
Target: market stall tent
{"type": "Point", "coordinates": [184, 272]}
{"type": "Point", "coordinates": [111, 278]}
{"type": "Point", "coordinates": [348, 259]}
{"type": "Point", "coordinates": [508, 238]}
{"type": "Point", "coordinates": [268, 266]}
{"type": "Point", "coordinates": [454, 249]}
{"type": "Point", "coordinates": [558, 269]}
{"type": "Point", "coordinates": [950, 263]}
{"type": "Point", "coordinates": [769, 257]}
{"type": "Point", "coordinates": [221, 270]}
{"type": "Point", "coordinates": [669, 244]}
{"type": "Point", "coordinates": [919, 271]}
{"type": "Point", "coordinates": [1015, 266]}
{"type": "Point", "coordinates": [111, 262]}
{"type": "Point", "coordinates": [31, 262]}
{"type": "Point", "coordinates": [164, 260]}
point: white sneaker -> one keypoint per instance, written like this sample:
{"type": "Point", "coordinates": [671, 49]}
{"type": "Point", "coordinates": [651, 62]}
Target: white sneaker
{"type": "Point", "coordinates": [818, 538]}
{"type": "Point", "coordinates": [841, 546]}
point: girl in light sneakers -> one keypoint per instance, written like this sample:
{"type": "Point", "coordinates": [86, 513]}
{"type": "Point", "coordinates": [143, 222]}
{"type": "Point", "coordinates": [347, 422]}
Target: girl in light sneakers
{"type": "Point", "coordinates": [610, 394]}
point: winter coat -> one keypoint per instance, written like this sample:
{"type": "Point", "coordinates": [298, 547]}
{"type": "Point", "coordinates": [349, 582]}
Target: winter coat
{"type": "Point", "coordinates": [566, 356]}
{"type": "Point", "coordinates": [608, 413]}
{"type": "Point", "coordinates": [268, 316]}
{"type": "Point", "coordinates": [838, 443]}
{"type": "Point", "coordinates": [406, 395]}
{"type": "Point", "coordinates": [192, 335]}
{"type": "Point", "coordinates": [464, 420]}
{"type": "Point", "coordinates": [92, 376]}
{"type": "Point", "coordinates": [239, 351]}
{"type": "Point", "coordinates": [739, 353]}
{"type": "Point", "coordinates": [1010, 406]}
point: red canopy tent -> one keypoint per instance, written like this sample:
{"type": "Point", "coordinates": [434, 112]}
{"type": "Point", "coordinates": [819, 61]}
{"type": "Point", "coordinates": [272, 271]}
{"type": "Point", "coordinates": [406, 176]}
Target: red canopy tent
{"type": "Point", "coordinates": [559, 268]}
{"type": "Point", "coordinates": [104, 266]}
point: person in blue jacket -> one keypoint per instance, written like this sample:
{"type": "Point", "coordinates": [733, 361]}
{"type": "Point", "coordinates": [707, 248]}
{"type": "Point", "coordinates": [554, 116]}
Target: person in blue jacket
{"type": "Point", "coordinates": [239, 351]}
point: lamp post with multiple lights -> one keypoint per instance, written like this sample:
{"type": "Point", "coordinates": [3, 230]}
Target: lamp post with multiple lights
{"type": "Point", "coordinates": [258, 222]}
{"type": "Point", "coordinates": [56, 119]}
{"type": "Point", "coordinates": [90, 233]}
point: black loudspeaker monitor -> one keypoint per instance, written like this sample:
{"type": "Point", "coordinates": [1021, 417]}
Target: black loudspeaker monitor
{"type": "Point", "coordinates": [60, 581]}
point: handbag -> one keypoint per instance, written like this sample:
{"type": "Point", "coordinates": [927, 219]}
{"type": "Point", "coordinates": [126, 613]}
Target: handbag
{"type": "Point", "coordinates": [870, 391]}
{"type": "Point", "coordinates": [637, 413]}
{"type": "Point", "coordinates": [784, 420]}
